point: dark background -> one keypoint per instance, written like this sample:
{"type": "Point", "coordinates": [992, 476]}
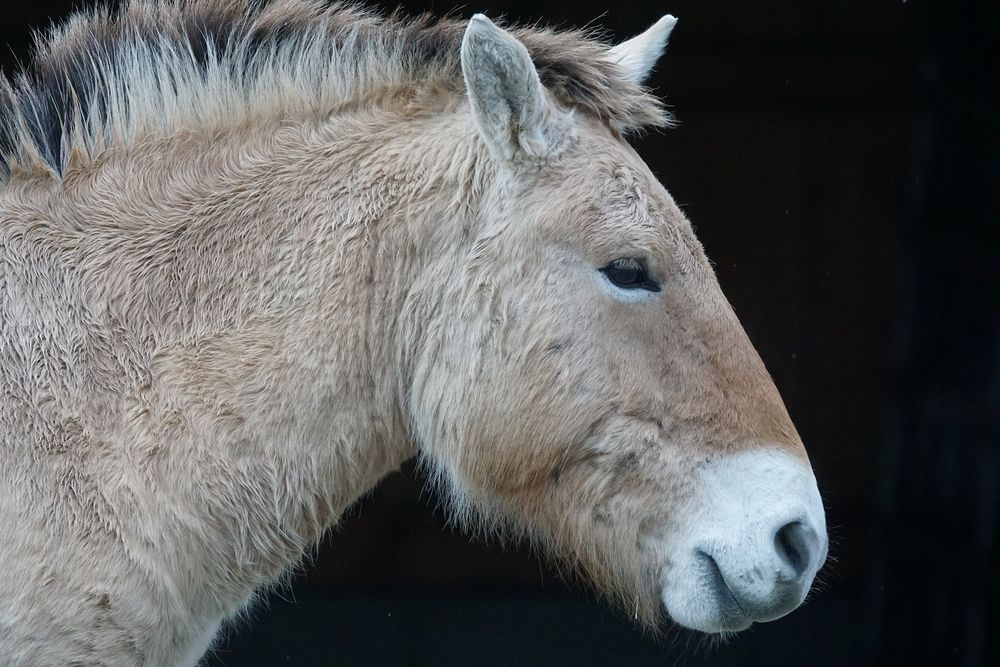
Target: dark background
{"type": "Point", "coordinates": [841, 162]}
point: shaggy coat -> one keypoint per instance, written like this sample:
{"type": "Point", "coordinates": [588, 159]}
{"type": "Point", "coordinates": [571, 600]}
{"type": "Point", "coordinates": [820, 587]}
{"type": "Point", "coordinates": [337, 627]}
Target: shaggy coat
{"type": "Point", "coordinates": [255, 257]}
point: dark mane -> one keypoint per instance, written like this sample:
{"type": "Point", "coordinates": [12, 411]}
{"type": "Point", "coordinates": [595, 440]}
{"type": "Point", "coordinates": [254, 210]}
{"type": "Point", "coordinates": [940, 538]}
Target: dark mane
{"type": "Point", "coordinates": [100, 70]}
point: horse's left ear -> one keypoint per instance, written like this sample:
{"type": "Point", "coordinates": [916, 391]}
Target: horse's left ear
{"type": "Point", "coordinates": [507, 97]}
{"type": "Point", "coordinates": [637, 56]}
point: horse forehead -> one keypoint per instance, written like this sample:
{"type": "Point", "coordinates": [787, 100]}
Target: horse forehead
{"type": "Point", "coordinates": [610, 172]}
{"type": "Point", "coordinates": [608, 179]}
{"type": "Point", "coordinates": [602, 193]}
{"type": "Point", "coordinates": [632, 201]}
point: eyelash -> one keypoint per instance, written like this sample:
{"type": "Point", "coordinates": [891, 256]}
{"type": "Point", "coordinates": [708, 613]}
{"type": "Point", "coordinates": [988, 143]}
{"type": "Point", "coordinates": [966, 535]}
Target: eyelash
{"type": "Point", "coordinates": [630, 273]}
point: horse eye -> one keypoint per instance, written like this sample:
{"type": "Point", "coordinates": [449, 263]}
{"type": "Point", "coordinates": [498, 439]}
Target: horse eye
{"type": "Point", "coordinates": [630, 273]}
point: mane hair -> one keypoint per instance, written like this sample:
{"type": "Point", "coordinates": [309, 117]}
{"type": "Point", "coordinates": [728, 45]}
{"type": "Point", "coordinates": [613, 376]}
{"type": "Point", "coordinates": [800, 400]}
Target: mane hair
{"type": "Point", "coordinates": [106, 78]}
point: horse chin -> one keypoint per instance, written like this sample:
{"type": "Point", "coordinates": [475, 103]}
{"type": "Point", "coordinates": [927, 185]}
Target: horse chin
{"type": "Point", "coordinates": [705, 609]}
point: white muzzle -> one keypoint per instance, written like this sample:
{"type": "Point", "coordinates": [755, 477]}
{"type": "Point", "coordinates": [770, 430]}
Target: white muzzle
{"type": "Point", "coordinates": [750, 543]}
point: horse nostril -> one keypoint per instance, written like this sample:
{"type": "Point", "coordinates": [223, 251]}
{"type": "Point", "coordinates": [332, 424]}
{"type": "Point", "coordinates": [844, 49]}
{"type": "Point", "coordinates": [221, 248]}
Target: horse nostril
{"type": "Point", "coordinates": [797, 544]}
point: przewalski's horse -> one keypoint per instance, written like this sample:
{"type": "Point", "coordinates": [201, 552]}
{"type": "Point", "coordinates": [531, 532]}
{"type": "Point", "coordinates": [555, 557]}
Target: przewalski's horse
{"type": "Point", "coordinates": [253, 259]}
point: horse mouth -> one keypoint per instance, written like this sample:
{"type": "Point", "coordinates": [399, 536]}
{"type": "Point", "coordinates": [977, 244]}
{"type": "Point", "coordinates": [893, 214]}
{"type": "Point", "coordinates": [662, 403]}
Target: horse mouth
{"type": "Point", "coordinates": [734, 618]}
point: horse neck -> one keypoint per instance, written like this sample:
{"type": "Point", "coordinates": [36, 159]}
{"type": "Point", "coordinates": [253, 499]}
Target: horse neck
{"type": "Point", "coordinates": [260, 289]}
{"type": "Point", "coordinates": [372, 209]}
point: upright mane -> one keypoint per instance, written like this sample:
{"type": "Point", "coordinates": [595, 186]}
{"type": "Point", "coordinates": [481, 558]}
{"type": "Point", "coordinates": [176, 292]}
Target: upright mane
{"type": "Point", "coordinates": [107, 78]}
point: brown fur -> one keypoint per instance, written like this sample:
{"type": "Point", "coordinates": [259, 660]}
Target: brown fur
{"type": "Point", "coordinates": [222, 326]}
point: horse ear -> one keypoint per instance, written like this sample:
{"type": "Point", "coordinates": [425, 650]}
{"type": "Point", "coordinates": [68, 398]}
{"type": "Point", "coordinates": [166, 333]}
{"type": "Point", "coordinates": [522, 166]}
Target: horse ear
{"type": "Point", "coordinates": [637, 56]}
{"type": "Point", "coordinates": [507, 98]}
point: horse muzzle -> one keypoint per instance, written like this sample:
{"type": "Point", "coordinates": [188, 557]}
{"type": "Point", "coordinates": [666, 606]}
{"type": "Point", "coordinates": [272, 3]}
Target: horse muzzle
{"type": "Point", "coordinates": [749, 545]}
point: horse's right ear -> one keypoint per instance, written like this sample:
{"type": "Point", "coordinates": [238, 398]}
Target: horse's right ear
{"type": "Point", "coordinates": [637, 56]}
{"type": "Point", "coordinates": [508, 100]}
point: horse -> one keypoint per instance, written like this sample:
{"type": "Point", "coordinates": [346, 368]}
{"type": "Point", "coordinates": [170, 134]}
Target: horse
{"type": "Point", "coordinates": [256, 256]}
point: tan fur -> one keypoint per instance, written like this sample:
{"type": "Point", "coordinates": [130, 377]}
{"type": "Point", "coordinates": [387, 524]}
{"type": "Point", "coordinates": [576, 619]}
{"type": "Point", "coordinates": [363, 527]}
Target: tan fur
{"type": "Point", "coordinates": [220, 329]}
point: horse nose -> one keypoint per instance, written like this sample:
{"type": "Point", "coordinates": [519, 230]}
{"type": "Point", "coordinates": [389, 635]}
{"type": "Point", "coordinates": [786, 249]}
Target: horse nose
{"type": "Point", "coordinates": [758, 539]}
{"type": "Point", "coordinates": [799, 547]}
{"type": "Point", "coordinates": [779, 580]}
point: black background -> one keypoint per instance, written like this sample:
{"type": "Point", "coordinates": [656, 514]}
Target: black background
{"type": "Point", "coordinates": [841, 163]}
